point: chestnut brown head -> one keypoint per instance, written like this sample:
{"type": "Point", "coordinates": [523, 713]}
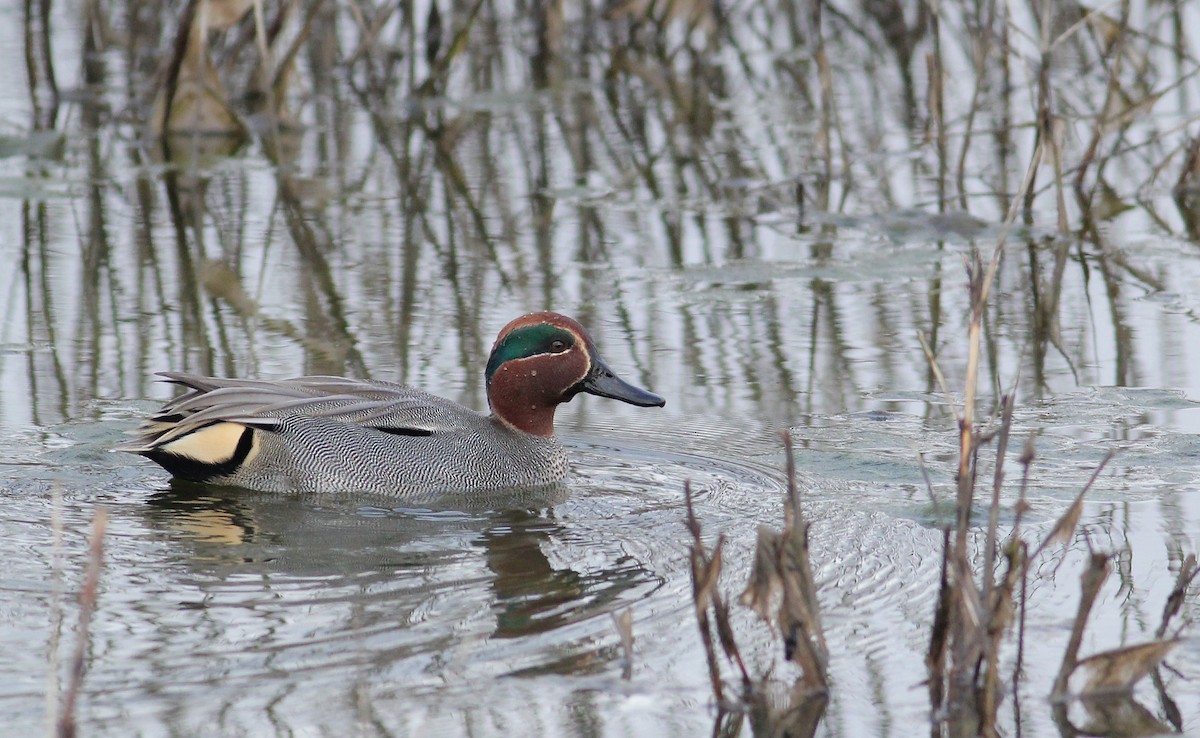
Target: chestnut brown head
{"type": "Point", "coordinates": [543, 359]}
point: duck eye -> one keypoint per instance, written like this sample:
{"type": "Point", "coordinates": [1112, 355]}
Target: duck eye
{"type": "Point", "coordinates": [558, 345]}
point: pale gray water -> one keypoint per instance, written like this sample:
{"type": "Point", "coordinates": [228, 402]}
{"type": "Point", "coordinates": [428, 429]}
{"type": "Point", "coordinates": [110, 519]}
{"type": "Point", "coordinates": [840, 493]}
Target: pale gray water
{"type": "Point", "coordinates": [675, 239]}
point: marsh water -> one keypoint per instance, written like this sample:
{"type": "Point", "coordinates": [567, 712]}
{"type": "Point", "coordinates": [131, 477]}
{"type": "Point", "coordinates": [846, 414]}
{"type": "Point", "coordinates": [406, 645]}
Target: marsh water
{"type": "Point", "coordinates": [755, 217]}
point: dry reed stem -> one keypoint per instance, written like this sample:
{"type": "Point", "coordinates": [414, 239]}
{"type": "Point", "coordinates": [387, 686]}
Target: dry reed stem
{"type": "Point", "coordinates": [966, 423]}
{"type": "Point", "coordinates": [700, 596]}
{"type": "Point", "coordinates": [1001, 610]}
{"type": "Point", "coordinates": [1098, 569]}
{"type": "Point", "coordinates": [781, 567]}
{"type": "Point", "coordinates": [998, 601]}
{"type": "Point", "coordinates": [88, 597]}
{"type": "Point", "coordinates": [800, 615]}
{"type": "Point", "coordinates": [1064, 528]}
{"type": "Point", "coordinates": [964, 616]}
{"type": "Point", "coordinates": [989, 549]}
{"type": "Point", "coordinates": [967, 618]}
{"type": "Point", "coordinates": [782, 564]}
{"type": "Point", "coordinates": [282, 69]}
{"type": "Point", "coordinates": [935, 657]}
{"type": "Point", "coordinates": [1187, 573]}
{"type": "Point", "coordinates": [961, 623]}
{"type": "Point", "coordinates": [260, 30]}
{"type": "Point", "coordinates": [1027, 457]}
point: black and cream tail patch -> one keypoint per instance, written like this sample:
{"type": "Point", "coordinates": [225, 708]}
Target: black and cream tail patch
{"type": "Point", "coordinates": [215, 450]}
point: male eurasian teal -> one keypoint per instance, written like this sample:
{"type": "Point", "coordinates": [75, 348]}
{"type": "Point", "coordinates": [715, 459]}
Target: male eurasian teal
{"type": "Point", "coordinates": [318, 434]}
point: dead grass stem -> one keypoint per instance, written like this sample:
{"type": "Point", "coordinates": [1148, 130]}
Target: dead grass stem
{"type": "Point", "coordinates": [88, 597]}
{"type": "Point", "coordinates": [782, 591]}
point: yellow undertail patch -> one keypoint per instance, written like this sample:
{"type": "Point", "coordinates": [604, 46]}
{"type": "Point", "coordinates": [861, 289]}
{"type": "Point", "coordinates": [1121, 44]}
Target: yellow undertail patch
{"type": "Point", "coordinates": [213, 444]}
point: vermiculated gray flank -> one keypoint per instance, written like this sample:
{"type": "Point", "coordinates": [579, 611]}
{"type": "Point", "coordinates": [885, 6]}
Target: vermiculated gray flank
{"type": "Point", "coordinates": [315, 434]}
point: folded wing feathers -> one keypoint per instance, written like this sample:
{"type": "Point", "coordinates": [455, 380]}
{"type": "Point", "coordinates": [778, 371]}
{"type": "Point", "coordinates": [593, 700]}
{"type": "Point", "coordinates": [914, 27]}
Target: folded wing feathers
{"type": "Point", "coordinates": [262, 404]}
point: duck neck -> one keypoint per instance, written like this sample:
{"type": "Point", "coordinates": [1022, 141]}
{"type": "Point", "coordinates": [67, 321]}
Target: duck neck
{"type": "Point", "coordinates": [537, 421]}
{"type": "Point", "coordinates": [521, 401]}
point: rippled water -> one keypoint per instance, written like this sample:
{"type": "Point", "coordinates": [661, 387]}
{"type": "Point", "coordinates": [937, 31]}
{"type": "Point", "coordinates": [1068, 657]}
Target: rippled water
{"type": "Point", "coordinates": [652, 192]}
{"type": "Point", "coordinates": [238, 613]}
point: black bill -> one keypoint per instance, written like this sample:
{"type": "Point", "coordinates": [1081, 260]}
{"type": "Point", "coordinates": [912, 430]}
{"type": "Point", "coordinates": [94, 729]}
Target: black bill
{"type": "Point", "coordinates": [603, 382]}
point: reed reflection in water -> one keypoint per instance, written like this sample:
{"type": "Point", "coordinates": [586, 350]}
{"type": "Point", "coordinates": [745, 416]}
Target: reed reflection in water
{"type": "Point", "coordinates": [614, 171]}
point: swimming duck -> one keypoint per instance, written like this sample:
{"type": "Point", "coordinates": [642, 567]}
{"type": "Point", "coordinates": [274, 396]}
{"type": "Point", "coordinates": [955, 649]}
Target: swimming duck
{"type": "Point", "coordinates": [323, 434]}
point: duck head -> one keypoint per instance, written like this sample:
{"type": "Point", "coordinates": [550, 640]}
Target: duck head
{"type": "Point", "coordinates": [543, 359]}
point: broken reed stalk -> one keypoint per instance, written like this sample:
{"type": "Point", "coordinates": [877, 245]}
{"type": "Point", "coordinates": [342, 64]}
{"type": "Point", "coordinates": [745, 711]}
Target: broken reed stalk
{"type": "Point", "coordinates": [87, 607]}
{"type": "Point", "coordinates": [935, 657]}
{"type": "Point", "coordinates": [1187, 572]}
{"type": "Point", "coordinates": [706, 570]}
{"type": "Point", "coordinates": [1090, 582]}
{"type": "Point", "coordinates": [979, 286]}
{"type": "Point", "coordinates": [1065, 526]}
{"type": "Point", "coordinates": [782, 572]}
{"type": "Point", "coordinates": [782, 566]}
{"type": "Point", "coordinates": [998, 599]}
{"type": "Point", "coordinates": [1113, 673]}
{"type": "Point", "coordinates": [800, 614]}
{"type": "Point", "coordinates": [969, 620]}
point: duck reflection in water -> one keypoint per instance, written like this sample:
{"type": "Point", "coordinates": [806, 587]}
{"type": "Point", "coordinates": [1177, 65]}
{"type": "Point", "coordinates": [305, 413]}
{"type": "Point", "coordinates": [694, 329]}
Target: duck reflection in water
{"type": "Point", "coordinates": [410, 555]}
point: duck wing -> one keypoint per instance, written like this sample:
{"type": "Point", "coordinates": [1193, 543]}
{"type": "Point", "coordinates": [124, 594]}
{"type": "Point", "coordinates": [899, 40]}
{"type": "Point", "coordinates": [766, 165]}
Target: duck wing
{"type": "Point", "coordinates": [261, 404]}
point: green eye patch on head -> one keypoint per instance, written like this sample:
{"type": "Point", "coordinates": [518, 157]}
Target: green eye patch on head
{"type": "Point", "coordinates": [530, 340]}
